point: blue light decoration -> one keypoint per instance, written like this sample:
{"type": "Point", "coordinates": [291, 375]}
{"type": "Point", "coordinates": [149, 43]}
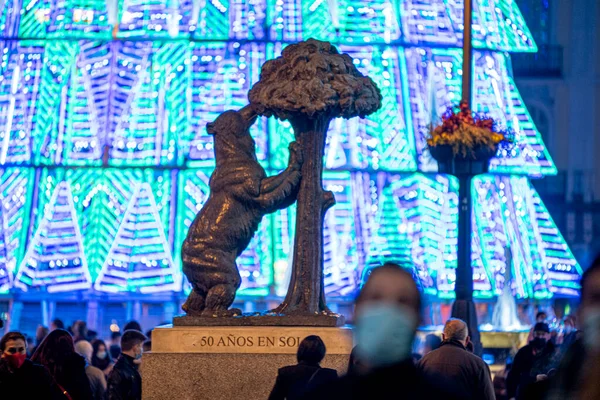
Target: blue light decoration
{"type": "Point", "coordinates": [140, 256]}
{"type": "Point", "coordinates": [55, 258]}
{"type": "Point", "coordinates": [15, 202]}
{"type": "Point", "coordinates": [416, 225]}
{"type": "Point", "coordinates": [439, 85]}
{"type": "Point", "coordinates": [105, 160]}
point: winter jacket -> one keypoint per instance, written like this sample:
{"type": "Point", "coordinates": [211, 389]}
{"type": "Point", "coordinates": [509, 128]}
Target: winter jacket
{"type": "Point", "coordinates": [294, 380]}
{"type": "Point", "coordinates": [399, 381]}
{"type": "Point", "coordinates": [124, 381]}
{"type": "Point", "coordinates": [466, 373]}
{"type": "Point", "coordinates": [527, 366]}
{"type": "Point", "coordinates": [31, 381]}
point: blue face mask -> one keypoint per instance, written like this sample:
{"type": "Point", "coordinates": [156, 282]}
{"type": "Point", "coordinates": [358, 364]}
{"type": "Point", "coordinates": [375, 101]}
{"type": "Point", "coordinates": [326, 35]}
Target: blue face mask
{"type": "Point", "coordinates": [591, 329]}
{"type": "Point", "coordinates": [384, 333]}
{"type": "Point", "coordinates": [138, 356]}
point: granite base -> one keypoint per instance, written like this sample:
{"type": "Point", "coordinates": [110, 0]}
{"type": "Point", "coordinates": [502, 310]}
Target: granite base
{"type": "Point", "coordinates": [229, 363]}
{"type": "Point", "coordinates": [218, 376]}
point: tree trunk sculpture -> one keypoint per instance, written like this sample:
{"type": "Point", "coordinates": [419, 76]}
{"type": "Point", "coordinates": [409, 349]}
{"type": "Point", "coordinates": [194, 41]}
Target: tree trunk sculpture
{"type": "Point", "coordinates": [309, 85]}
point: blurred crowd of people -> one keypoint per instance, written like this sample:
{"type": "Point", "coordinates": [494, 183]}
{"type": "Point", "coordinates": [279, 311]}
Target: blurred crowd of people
{"type": "Point", "coordinates": [382, 365]}
{"type": "Point", "coordinates": [74, 364]}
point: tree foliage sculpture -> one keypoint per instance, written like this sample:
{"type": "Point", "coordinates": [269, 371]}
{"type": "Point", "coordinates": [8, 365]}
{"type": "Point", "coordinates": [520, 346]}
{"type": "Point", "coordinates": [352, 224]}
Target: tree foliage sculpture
{"type": "Point", "coordinates": [309, 85]}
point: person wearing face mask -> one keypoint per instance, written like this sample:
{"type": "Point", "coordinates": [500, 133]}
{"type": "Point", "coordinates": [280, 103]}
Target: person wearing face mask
{"type": "Point", "coordinates": [532, 362]}
{"type": "Point", "coordinates": [578, 374]}
{"type": "Point", "coordinates": [386, 318]}
{"type": "Point", "coordinates": [19, 377]}
{"type": "Point", "coordinates": [125, 382]}
{"type": "Point", "coordinates": [101, 357]}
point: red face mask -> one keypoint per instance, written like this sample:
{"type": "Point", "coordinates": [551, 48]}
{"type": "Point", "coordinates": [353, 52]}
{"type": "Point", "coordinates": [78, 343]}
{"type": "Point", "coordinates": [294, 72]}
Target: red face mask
{"type": "Point", "coordinates": [15, 360]}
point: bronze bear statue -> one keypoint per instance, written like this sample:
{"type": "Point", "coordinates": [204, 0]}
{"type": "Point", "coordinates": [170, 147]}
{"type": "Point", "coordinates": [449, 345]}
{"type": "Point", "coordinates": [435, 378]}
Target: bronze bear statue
{"type": "Point", "coordinates": [240, 195]}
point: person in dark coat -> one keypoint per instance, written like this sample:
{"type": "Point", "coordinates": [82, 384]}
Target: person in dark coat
{"type": "Point", "coordinates": [387, 315]}
{"type": "Point", "coordinates": [66, 367]}
{"type": "Point", "coordinates": [451, 362]}
{"type": "Point", "coordinates": [124, 381]}
{"type": "Point", "coordinates": [578, 375]}
{"type": "Point", "coordinates": [532, 362]}
{"type": "Point", "coordinates": [19, 377]}
{"type": "Point", "coordinates": [295, 380]}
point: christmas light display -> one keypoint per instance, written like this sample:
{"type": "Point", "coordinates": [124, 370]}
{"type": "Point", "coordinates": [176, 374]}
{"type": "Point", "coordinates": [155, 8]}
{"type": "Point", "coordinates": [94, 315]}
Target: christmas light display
{"type": "Point", "coordinates": [140, 256]}
{"type": "Point", "coordinates": [496, 95]}
{"type": "Point", "coordinates": [15, 204]}
{"type": "Point", "coordinates": [105, 158]}
{"type": "Point", "coordinates": [55, 258]}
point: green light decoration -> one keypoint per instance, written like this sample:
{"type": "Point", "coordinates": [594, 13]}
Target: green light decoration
{"type": "Point", "coordinates": [146, 127]}
{"type": "Point", "coordinates": [55, 259]}
{"type": "Point", "coordinates": [221, 75]}
{"type": "Point", "coordinates": [496, 96]}
{"type": "Point", "coordinates": [104, 106]}
{"type": "Point", "coordinates": [16, 202]}
{"type": "Point", "coordinates": [49, 19]}
{"type": "Point", "coordinates": [140, 257]}
{"type": "Point", "coordinates": [70, 132]}
{"type": "Point", "coordinates": [416, 225]}
{"type": "Point", "coordinates": [100, 208]}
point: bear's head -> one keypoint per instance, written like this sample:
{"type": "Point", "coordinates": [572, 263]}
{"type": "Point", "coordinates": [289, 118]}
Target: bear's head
{"type": "Point", "coordinates": [233, 122]}
{"type": "Point", "coordinates": [231, 132]}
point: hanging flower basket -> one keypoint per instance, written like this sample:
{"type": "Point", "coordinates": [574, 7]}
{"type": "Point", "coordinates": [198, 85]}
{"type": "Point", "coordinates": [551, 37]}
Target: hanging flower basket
{"type": "Point", "coordinates": [457, 164]}
{"type": "Point", "coordinates": [464, 144]}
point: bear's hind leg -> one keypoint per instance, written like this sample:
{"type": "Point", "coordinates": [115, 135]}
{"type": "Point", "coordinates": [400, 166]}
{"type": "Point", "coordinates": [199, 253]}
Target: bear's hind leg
{"type": "Point", "coordinates": [218, 300]}
{"type": "Point", "coordinates": [195, 303]}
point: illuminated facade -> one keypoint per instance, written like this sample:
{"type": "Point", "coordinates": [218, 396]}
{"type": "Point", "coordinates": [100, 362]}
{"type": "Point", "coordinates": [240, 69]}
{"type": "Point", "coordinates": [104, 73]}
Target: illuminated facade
{"type": "Point", "coordinates": [105, 160]}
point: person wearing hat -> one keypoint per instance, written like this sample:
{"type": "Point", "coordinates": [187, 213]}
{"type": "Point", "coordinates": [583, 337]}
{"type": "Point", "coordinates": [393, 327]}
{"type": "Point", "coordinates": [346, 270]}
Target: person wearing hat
{"type": "Point", "coordinates": [533, 362]}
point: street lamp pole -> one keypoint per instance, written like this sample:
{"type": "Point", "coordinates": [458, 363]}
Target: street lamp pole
{"type": "Point", "coordinates": [467, 66]}
{"type": "Point", "coordinates": [464, 307]}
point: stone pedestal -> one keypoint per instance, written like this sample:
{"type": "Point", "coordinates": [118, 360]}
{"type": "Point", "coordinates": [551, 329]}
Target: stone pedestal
{"type": "Point", "coordinates": [229, 363]}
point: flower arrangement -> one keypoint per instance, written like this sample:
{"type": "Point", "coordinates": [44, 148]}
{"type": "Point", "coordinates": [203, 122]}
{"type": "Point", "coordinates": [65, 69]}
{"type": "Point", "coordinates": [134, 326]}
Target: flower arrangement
{"type": "Point", "coordinates": [468, 135]}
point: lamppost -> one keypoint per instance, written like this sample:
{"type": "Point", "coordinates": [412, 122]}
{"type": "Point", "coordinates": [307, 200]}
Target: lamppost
{"type": "Point", "coordinates": [464, 167]}
{"type": "Point", "coordinates": [465, 170]}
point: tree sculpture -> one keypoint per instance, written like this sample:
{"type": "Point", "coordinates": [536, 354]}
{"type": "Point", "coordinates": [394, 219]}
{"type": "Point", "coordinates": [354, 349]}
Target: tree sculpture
{"type": "Point", "coordinates": [309, 85]}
